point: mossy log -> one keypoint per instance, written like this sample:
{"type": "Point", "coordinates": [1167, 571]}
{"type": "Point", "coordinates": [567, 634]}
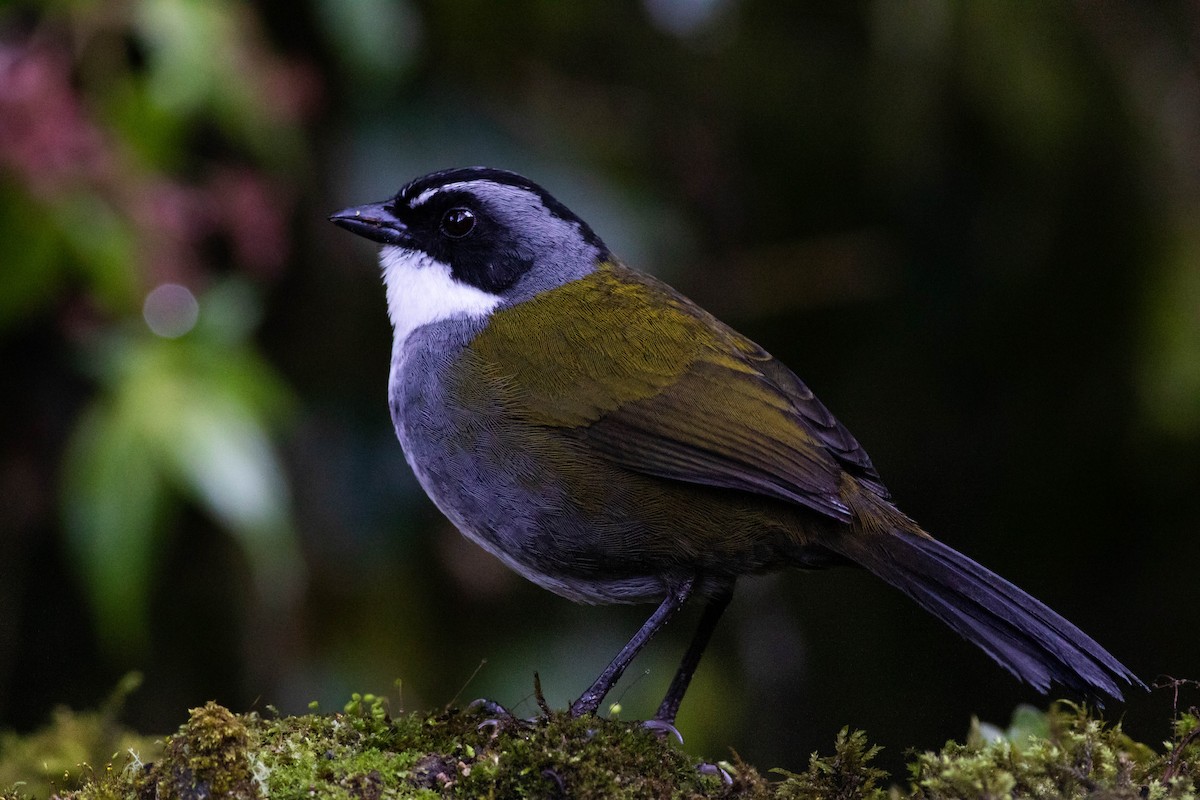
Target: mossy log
{"type": "Point", "coordinates": [364, 752]}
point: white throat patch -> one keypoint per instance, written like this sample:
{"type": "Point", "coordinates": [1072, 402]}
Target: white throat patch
{"type": "Point", "coordinates": [420, 290]}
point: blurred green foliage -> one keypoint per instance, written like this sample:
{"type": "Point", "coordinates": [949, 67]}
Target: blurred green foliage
{"type": "Point", "coordinates": [106, 177]}
{"type": "Point", "coordinates": [177, 418]}
{"type": "Point", "coordinates": [971, 226]}
{"type": "Point", "coordinates": [64, 754]}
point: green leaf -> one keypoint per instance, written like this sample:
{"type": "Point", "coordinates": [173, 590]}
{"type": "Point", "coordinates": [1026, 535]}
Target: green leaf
{"type": "Point", "coordinates": [113, 497]}
{"type": "Point", "coordinates": [178, 419]}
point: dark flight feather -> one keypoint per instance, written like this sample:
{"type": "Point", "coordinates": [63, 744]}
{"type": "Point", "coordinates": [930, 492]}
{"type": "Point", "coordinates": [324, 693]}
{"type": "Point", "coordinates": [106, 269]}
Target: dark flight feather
{"type": "Point", "coordinates": [1017, 630]}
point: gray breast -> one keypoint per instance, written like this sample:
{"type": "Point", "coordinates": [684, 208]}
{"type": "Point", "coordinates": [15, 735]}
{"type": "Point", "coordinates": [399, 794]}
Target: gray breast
{"type": "Point", "coordinates": [495, 493]}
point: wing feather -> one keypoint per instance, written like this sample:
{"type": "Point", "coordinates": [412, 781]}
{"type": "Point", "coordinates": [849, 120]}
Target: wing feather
{"type": "Point", "coordinates": [657, 385]}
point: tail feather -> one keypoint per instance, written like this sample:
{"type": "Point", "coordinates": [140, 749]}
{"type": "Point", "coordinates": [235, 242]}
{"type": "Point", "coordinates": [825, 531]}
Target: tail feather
{"type": "Point", "coordinates": [1019, 632]}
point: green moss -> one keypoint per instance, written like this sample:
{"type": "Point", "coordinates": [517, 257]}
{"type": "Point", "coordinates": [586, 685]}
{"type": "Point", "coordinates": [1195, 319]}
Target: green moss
{"type": "Point", "coordinates": [363, 753]}
{"type": "Point", "coordinates": [465, 755]}
{"type": "Point", "coordinates": [1079, 756]}
{"type": "Point", "coordinates": [75, 749]}
{"type": "Point", "coordinates": [209, 757]}
{"type": "Point", "coordinates": [846, 774]}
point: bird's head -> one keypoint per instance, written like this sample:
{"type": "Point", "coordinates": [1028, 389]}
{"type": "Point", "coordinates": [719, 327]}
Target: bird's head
{"type": "Point", "coordinates": [464, 241]}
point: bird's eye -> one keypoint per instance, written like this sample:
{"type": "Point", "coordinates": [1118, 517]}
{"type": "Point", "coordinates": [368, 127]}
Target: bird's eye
{"type": "Point", "coordinates": [458, 222]}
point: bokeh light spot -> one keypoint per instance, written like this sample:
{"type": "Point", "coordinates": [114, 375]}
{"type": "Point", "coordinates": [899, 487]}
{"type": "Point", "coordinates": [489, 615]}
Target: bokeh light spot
{"type": "Point", "coordinates": [171, 310]}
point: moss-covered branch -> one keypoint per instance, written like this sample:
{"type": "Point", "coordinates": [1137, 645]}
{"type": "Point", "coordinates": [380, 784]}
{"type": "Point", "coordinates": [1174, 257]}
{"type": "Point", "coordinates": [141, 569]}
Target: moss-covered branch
{"type": "Point", "coordinates": [362, 752]}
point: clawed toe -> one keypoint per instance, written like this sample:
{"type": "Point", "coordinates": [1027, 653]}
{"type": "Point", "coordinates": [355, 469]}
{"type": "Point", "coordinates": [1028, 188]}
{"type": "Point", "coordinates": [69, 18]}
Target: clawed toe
{"type": "Point", "coordinates": [705, 768]}
{"type": "Point", "coordinates": [663, 728]}
{"type": "Point", "coordinates": [491, 707]}
{"type": "Point", "coordinates": [500, 716]}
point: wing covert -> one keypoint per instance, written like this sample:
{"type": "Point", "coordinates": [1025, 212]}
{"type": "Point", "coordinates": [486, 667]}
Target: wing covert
{"type": "Point", "coordinates": [657, 385]}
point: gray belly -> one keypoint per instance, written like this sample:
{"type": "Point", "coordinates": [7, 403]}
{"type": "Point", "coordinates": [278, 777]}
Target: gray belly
{"type": "Point", "coordinates": [496, 491]}
{"type": "Point", "coordinates": [556, 511]}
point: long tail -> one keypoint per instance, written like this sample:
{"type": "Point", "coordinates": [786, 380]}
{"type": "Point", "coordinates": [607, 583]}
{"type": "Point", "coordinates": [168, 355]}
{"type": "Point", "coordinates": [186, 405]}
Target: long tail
{"type": "Point", "coordinates": [1020, 632]}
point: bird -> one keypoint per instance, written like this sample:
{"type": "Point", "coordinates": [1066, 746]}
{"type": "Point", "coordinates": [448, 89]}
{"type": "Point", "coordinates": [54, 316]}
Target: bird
{"type": "Point", "coordinates": [611, 441]}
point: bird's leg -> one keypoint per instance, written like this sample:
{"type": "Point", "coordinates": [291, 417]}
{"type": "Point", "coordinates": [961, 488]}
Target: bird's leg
{"type": "Point", "coordinates": [590, 700]}
{"type": "Point", "coordinates": [683, 676]}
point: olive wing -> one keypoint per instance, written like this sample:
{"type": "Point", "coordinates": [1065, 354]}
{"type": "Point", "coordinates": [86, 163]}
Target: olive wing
{"type": "Point", "coordinates": [657, 385]}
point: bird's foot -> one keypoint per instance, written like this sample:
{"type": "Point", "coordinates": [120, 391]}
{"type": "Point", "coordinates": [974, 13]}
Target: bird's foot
{"type": "Point", "coordinates": [586, 704]}
{"type": "Point", "coordinates": [716, 770]}
{"type": "Point", "coordinates": [490, 707]}
{"type": "Point", "coordinates": [663, 729]}
{"type": "Point", "coordinates": [498, 718]}
{"type": "Point", "coordinates": [502, 717]}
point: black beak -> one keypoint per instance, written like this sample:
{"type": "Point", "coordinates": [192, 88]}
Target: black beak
{"type": "Point", "coordinates": [374, 221]}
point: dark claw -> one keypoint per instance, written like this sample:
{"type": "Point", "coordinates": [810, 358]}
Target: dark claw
{"type": "Point", "coordinates": [490, 707]}
{"type": "Point", "coordinates": [704, 768]}
{"type": "Point", "coordinates": [500, 716]}
{"type": "Point", "coordinates": [559, 783]}
{"type": "Point", "coordinates": [663, 728]}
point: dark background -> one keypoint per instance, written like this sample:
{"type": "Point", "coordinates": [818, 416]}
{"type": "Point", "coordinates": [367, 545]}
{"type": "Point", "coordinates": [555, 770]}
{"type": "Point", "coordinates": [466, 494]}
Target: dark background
{"type": "Point", "coordinates": [972, 228]}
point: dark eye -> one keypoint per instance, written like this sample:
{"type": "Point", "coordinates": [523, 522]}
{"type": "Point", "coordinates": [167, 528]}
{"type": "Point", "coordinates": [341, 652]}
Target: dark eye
{"type": "Point", "coordinates": [458, 222]}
